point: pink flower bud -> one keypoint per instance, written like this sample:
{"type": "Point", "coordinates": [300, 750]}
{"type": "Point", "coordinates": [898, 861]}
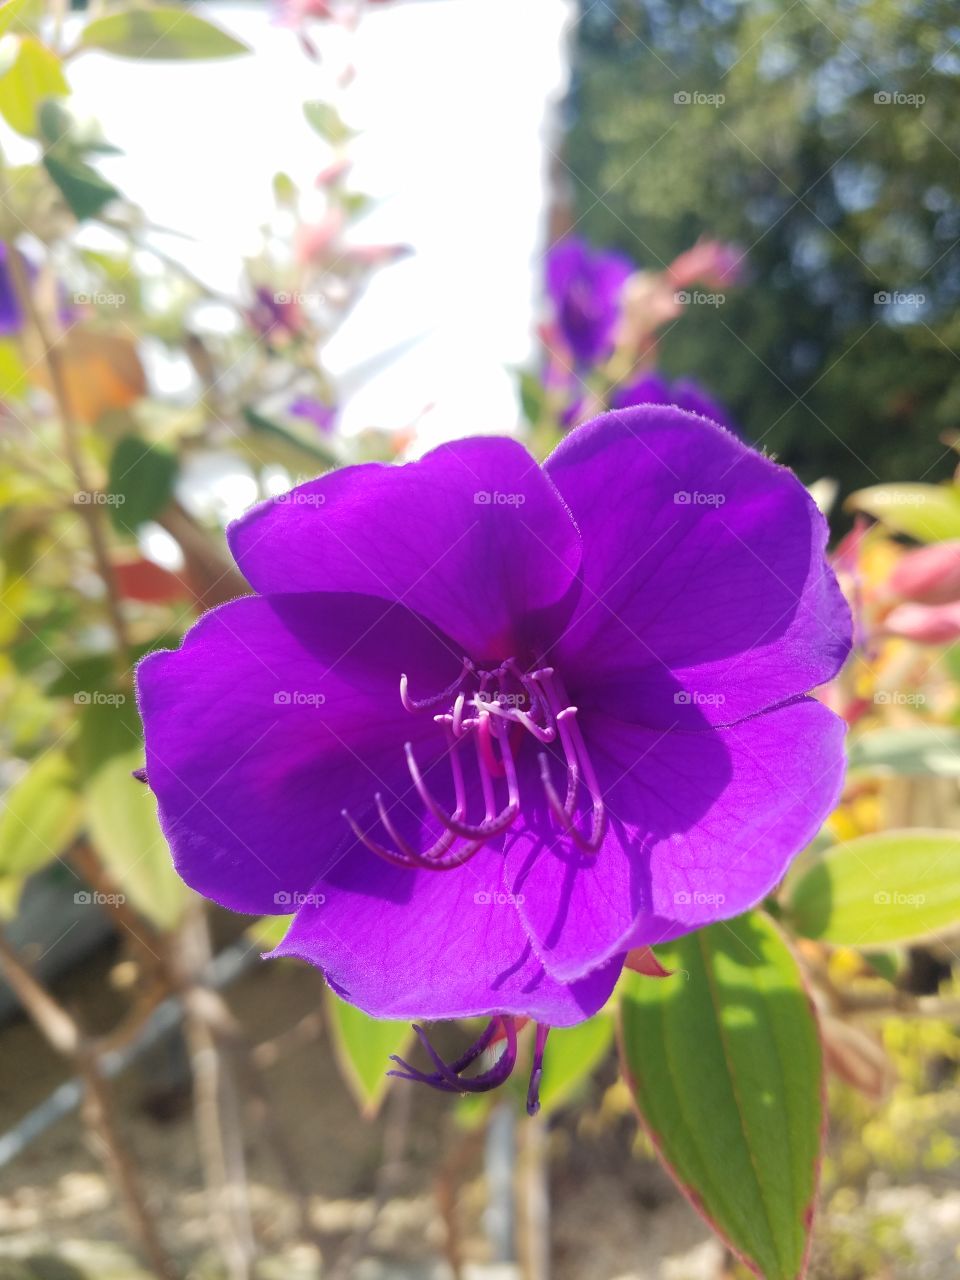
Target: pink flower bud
{"type": "Point", "coordinates": [925, 623]}
{"type": "Point", "coordinates": [929, 575]}
{"type": "Point", "coordinates": [709, 262]}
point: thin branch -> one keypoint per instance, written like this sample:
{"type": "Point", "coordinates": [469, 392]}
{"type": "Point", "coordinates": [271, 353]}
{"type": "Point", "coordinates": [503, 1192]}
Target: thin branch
{"type": "Point", "coordinates": [64, 1034]}
{"type": "Point", "coordinates": [91, 512]}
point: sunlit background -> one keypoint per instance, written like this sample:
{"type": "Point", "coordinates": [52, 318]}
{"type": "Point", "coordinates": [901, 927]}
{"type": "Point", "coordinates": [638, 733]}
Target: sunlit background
{"type": "Point", "coordinates": [371, 227]}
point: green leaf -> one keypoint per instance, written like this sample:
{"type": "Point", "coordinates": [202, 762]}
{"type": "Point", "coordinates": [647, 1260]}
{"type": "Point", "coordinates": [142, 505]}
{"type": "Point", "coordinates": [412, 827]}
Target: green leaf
{"type": "Point", "coordinates": [41, 816]}
{"type": "Point", "coordinates": [327, 121]}
{"type": "Point", "coordinates": [284, 190]}
{"type": "Point", "coordinates": [19, 15]}
{"type": "Point", "coordinates": [886, 963]}
{"type": "Point", "coordinates": [121, 812]}
{"type": "Point", "coordinates": [81, 186]}
{"type": "Point", "coordinates": [363, 1046]}
{"type": "Point", "coordinates": [533, 397]}
{"type": "Point", "coordinates": [160, 34]}
{"type": "Point", "coordinates": [723, 1060]}
{"type": "Point", "coordinates": [877, 890]}
{"type": "Point", "coordinates": [925, 750]}
{"type": "Point", "coordinates": [927, 512]}
{"type": "Point", "coordinates": [140, 483]}
{"type": "Point", "coordinates": [288, 443]}
{"type": "Point", "coordinates": [34, 74]}
{"type": "Point", "coordinates": [572, 1055]}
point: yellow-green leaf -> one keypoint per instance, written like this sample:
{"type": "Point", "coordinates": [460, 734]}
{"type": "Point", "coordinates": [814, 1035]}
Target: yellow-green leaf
{"type": "Point", "coordinates": [880, 890]}
{"type": "Point", "coordinates": [121, 812]}
{"type": "Point", "coordinates": [160, 34]}
{"type": "Point", "coordinates": [572, 1055]}
{"type": "Point", "coordinates": [363, 1046]}
{"type": "Point", "coordinates": [33, 75]}
{"type": "Point", "coordinates": [41, 815]}
{"type": "Point", "coordinates": [927, 512]}
{"type": "Point", "coordinates": [19, 15]}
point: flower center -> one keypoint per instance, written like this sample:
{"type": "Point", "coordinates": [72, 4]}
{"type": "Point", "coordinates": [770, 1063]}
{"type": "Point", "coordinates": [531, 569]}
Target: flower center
{"type": "Point", "coordinates": [490, 714]}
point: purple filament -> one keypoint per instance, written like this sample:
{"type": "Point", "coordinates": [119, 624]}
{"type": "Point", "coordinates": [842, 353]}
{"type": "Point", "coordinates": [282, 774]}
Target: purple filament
{"type": "Point", "coordinates": [536, 705]}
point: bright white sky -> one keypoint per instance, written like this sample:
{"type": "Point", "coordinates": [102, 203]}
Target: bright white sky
{"type": "Point", "coordinates": [454, 98]}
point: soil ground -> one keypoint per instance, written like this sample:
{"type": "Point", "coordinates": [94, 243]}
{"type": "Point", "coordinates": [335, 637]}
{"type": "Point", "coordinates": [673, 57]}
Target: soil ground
{"type": "Point", "coordinates": [613, 1215]}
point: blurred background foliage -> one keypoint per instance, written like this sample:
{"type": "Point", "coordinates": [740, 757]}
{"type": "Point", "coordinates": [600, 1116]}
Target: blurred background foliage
{"type": "Point", "coordinates": [118, 482]}
{"type": "Point", "coordinates": [836, 197]}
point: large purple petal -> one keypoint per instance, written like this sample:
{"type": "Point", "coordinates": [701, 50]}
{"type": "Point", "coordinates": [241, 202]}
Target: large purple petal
{"type": "Point", "coordinates": [473, 537]}
{"type": "Point", "coordinates": [431, 944]}
{"type": "Point", "coordinates": [702, 826]}
{"type": "Point", "coordinates": [275, 715]}
{"type": "Point", "coordinates": [706, 592]}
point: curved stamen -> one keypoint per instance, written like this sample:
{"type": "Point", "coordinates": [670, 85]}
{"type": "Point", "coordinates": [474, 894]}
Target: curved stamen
{"type": "Point", "coordinates": [448, 1077]}
{"type": "Point", "coordinates": [471, 831]}
{"type": "Point", "coordinates": [599, 821]}
{"type": "Point", "coordinates": [422, 704]}
{"type": "Point", "coordinates": [589, 844]}
{"type": "Point", "coordinates": [498, 721]}
{"type": "Point", "coordinates": [536, 1069]}
{"type": "Point", "coordinates": [429, 860]}
{"type": "Point", "coordinates": [578, 761]}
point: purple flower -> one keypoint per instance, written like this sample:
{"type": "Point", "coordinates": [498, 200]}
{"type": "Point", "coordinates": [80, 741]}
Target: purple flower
{"type": "Point", "coordinates": [487, 726]}
{"type": "Point", "coordinates": [322, 416]}
{"type": "Point", "coordinates": [584, 285]}
{"type": "Point", "coordinates": [11, 313]}
{"type": "Point", "coordinates": [273, 314]}
{"type": "Point", "coordinates": [652, 388]}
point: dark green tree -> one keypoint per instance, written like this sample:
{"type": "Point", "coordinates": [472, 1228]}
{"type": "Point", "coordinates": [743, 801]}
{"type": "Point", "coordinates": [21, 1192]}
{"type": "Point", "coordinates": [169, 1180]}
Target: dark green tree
{"type": "Point", "coordinates": [834, 159]}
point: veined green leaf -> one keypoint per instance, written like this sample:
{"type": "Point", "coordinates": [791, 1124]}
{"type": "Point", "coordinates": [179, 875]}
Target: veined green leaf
{"type": "Point", "coordinates": [724, 1062]}
{"type": "Point", "coordinates": [878, 890]}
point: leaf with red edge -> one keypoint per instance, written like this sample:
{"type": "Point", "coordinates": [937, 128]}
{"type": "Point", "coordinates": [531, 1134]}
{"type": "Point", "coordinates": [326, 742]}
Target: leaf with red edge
{"type": "Point", "coordinates": [724, 1063]}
